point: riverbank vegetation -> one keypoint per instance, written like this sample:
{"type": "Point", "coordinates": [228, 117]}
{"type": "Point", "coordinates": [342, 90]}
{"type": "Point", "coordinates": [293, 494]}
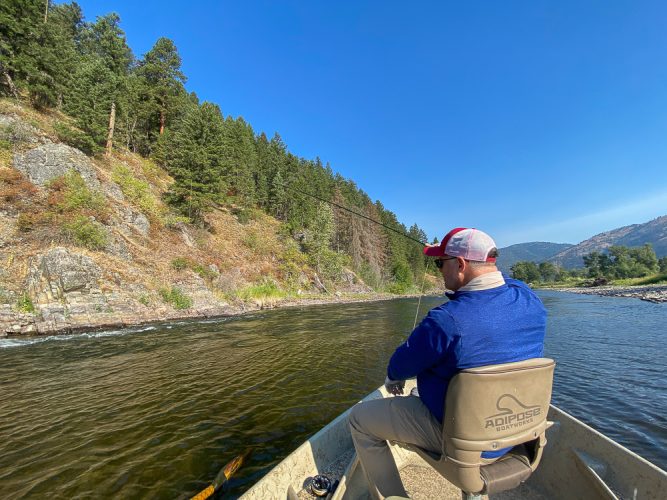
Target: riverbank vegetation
{"type": "Point", "coordinates": [182, 196]}
{"type": "Point", "coordinates": [620, 265]}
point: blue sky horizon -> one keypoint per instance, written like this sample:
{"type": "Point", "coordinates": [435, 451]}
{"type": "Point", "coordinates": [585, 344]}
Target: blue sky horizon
{"type": "Point", "coordinates": [533, 121]}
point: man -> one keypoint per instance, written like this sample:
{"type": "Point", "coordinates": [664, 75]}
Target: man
{"type": "Point", "coordinates": [489, 319]}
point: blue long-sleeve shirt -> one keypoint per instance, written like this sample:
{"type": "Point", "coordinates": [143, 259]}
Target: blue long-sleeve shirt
{"type": "Point", "coordinates": [474, 328]}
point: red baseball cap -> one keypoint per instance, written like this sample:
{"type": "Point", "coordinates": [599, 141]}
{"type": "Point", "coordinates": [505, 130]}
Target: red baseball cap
{"type": "Point", "coordinates": [471, 244]}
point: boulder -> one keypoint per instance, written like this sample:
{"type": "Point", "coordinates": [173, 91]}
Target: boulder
{"type": "Point", "coordinates": [112, 190]}
{"type": "Point", "coordinates": [16, 131]}
{"type": "Point", "coordinates": [134, 220]}
{"type": "Point", "coordinates": [60, 271]}
{"type": "Point", "coordinates": [116, 246]}
{"type": "Point", "coordinates": [50, 161]}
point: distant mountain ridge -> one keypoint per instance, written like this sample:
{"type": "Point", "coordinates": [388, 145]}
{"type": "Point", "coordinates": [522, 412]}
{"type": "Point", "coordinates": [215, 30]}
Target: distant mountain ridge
{"type": "Point", "coordinates": [571, 256]}
{"type": "Point", "coordinates": [635, 235]}
{"type": "Point", "coordinates": [535, 251]}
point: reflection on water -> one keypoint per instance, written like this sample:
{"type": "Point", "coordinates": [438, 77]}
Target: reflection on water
{"type": "Point", "coordinates": [155, 412]}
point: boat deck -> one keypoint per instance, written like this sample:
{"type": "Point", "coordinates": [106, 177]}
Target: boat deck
{"type": "Point", "coordinates": [578, 462]}
{"type": "Point", "coordinates": [424, 483]}
{"type": "Point", "coordinates": [421, 482]}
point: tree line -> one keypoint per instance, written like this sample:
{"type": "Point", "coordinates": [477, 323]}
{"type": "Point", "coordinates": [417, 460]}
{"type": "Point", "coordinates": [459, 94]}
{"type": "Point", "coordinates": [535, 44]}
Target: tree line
{"type": "Point", "coordinates": [618, 262]}
{"type": "Point", "coordinates": [50, 56]}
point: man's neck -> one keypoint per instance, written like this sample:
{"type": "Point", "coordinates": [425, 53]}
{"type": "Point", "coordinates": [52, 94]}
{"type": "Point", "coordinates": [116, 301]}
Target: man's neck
{"type": "Point", "coordinates": [484, 281]}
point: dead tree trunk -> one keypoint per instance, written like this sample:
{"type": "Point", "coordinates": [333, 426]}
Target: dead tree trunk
{"type": "Point", "coordinates": [46, 11]}
{"type": "Point", "coordinates": [163, 119]}
{"type": "Point", "coordinates": [10, 82]}
{"type": "Point", "coordinates": [112, 124]}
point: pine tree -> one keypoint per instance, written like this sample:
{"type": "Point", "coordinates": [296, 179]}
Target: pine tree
{"type": "Point", "coordinates": [320, 234]}
{"type": "Point", "coordinates": [161, 68]}
{"type": "Point", "coordinates": [192, 155]}
{"type": "Point", "coordinates": [105, 40]}
{"type": "Point", "coordinates": [35, 55]}
{"type": "Point", "coordinates": [278, 196]}
{"type": "Point", "coordinates": [20, 27]}
{"type": "Point", "coordinates": [100, 83]}
{"type": "Point", "coordinates": [94, 88]}
{"type": "Point", "coordinates": [240, 160]}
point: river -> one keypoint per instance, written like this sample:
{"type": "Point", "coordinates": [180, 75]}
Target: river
{"type": "Point", "coordinates": [155, 412]}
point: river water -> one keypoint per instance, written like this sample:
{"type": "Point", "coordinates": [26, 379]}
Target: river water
{"type": "Point", "coordinates": [156, 412]}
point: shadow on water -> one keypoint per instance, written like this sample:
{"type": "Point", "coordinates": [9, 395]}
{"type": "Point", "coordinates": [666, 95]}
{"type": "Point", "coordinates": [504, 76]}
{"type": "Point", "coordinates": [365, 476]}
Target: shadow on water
{"type": "Point", "coordinates": [155, 413]}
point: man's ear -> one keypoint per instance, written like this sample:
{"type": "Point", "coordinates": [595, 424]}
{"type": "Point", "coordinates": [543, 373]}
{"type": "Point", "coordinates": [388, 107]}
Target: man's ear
{"type": "Point", "coordinates": [462, 264]}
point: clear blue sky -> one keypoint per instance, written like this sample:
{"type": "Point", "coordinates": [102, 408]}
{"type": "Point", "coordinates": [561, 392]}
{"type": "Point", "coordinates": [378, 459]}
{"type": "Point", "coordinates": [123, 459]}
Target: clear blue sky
{"type": "Point", "coordinates": [531, 120]}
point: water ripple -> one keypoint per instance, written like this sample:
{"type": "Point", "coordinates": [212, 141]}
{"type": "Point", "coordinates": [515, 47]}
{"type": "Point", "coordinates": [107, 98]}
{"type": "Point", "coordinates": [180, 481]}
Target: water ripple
{"type": "Point", "coordinates": [154, 412]}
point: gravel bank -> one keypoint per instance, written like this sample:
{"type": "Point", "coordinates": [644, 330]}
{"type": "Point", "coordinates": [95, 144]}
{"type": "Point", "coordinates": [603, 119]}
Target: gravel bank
{"type": "Point", "coordinates": [650, 293]}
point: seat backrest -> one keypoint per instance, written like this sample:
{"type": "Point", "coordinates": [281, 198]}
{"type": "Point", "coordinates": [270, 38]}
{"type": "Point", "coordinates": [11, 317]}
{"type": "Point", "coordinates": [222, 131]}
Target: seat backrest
{"type": "Point", "coordinates": [494, 407]}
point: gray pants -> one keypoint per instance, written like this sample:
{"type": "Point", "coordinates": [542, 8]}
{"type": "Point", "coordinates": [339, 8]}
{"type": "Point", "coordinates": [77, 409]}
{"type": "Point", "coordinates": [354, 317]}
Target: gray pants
{"type": "Point", "coordinates": [402, 419]}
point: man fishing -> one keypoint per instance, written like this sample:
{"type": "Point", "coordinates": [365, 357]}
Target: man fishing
{"type": "Point", "coordinates": [489, 319]}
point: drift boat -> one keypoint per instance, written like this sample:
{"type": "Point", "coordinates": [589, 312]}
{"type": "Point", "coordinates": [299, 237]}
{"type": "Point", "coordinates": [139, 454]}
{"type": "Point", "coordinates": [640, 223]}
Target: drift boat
{"type": "Point", "coordinates": [578, 462]}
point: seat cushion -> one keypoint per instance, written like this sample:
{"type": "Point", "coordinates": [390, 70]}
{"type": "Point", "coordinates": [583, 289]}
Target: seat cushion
{"type": "Point", "coordinates": [508, 472]}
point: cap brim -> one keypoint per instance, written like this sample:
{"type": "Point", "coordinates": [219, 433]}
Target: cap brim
{"type": "Point", "coordinates": [434, 251]}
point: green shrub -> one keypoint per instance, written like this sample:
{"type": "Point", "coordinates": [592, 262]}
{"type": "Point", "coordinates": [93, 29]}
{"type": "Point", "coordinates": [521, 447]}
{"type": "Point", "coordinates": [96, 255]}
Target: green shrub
{"type": "Point", "coordinates": [87, 233]}
{"type": "Point", "coordinates": [136, 190]}
{"type": "Point", "coordinates": [25, 304]}
{"type": "Point", "coordinates": [246, 215]}
{"type": "Point", "coordinates": [180, 263]}
{"type": "Point", "coordinates": [176, 297]}
{"type": "Point", "coordinates": [204, 271]}
{"type": "Point", "coordinates": [144, 299]}
{"type": "Point", "coordinates": [267, 289]}
{"type": "Point", "coordinates": [17, 132]}
{"type": "Point", "coordinates": [172, 221]}
{"type": "Point", "coordinates": [71, 194]}
{"type": "Point", "coordinates": [152, 172]}
{"type": "Point", "coordinates": [330, 264]}
{"type": "Point", "coordinates": [370, 276]}
{"type": "Point", "coordinates": [26, 221]}
{"type": "Point", "coordinates": [293, 265]}
{"type": "Point", "coordinates": [403, 282]}
{"type": "Point", "coordinates": [76, 138]}
{"type": "Point", "coordinates": [252, 240]}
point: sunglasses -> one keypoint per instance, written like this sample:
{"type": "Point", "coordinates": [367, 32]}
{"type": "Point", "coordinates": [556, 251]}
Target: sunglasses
{"type": "Point", "coordinates": [441, 262]}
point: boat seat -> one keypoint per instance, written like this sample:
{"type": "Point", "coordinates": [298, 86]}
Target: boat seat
{"type": "Point", "coordinates": [490, 408]}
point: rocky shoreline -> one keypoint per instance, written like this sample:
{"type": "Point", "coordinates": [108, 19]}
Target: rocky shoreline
{"type": "Point", "coordinates": [649, 293]}
{"type": "Point", "coordinates": [14, 324]}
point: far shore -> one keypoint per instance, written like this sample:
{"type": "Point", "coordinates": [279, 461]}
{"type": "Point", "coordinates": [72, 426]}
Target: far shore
{"type": "Point", "coordinates": [650, 293]}
{"type": "Point", "coordinates": [195, 314]}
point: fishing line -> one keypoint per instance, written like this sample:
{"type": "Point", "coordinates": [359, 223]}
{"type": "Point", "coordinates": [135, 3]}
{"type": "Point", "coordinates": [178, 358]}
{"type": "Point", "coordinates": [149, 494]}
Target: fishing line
{"type": "Point", "coordinates": [342, 207]}
{"type": "Point", "coordinates": [421, 294]}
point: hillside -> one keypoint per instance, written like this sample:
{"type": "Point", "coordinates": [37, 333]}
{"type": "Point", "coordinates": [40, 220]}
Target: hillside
{"type": "Point", "coordinates": [635, 235]}
{"type": "Point", "coordinates": [89, 242]}
{"type": "Point", "coordinates": [536, 251]}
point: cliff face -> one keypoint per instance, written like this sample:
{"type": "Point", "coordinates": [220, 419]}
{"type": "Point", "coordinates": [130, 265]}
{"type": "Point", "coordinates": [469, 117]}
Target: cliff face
{"type": "Point", "coordinates": [88, 242]}
{"type": "Point", "coordinates": [653, 232]}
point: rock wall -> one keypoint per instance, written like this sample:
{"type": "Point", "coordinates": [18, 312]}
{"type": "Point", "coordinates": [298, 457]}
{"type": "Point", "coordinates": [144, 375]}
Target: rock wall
{"type": "Point", "coordinates": [70, 292]}
{"type": "Point", "coordinates": [50, 161]}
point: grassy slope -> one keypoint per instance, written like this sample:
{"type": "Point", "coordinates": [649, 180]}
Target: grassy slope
{"type": "Point", "coordinates": [243, 256]}
{"type": "Point", "coordinates": [249, 253]}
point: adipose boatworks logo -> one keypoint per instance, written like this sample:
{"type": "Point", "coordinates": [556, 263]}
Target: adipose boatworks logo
{"type": "Point", "coordinates": [513, 414]}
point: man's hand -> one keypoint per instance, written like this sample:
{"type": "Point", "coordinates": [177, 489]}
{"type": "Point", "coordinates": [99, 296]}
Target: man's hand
{"type": "Point", "coordinates": [394, 387]}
